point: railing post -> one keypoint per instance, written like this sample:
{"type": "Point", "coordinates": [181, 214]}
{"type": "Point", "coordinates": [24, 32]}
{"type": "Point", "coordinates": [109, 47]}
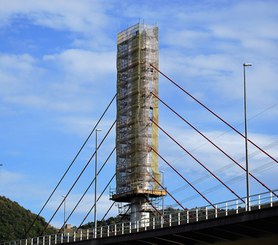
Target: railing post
{"type": "Point", "coordinates": [215, 211]}
{"type": "Point", "coordinates": [153, 223]}
{"type": "Point", "coordinates": [108, 230]}
{"type": "Point", "coordinates": [81, 235]}
{"type": "Point", "coordinates": [26, 241]}
{"type": "Point", "coordinates": [161, 221]}
{"type": "Point", "coordinates": [32, 241]}
{"type": "Point", "coordinates": [226, 210]}
{"type": "Point", "coordinates": [62, 238]}
{"type": "Point", "coordinates": [259, 204]}
{"type": "Point", "coordinates": [187, 216]}
{"type": "Point", "coordinates": [246, 204]}
{"type": "Point", "coordinates": [236, 206]}
{"type": "Point", "coordinates": [137, 226]}
{"type": "Point", "coordinates": [179, 218]}
{"type": "Point", "coordinates": [170, 219]}
{"type": "Point", "coordinates": [271, 204]}
{"type": "Point", "coordinates": [129, 227]}
{"type": "Point", "coordinates": [123, 228]}
{"type": "Point", "coordinates": [197, 215]}
{"type": "Point", "coordinates": [38, 240]}
{"type": "Point", "coordinates": [88, 234]}
{"type": "Point", "coordinates": [55, 239]}
{"type": "Point", "coordinates": [101, 232]}
{"type": "Point", "coordinates": [206, 213]}
{"type": "Point", "coordinates": [74, 236]}
{"type": "Point", "coordinates": [115, 229]}
{"type": "Point", "coordinates": [43, 240]}
{"type": "Point", "coordinates": [68, 237]}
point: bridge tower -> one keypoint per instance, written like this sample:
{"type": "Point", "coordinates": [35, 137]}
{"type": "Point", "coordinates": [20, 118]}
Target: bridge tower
{"type": "Point", "coordinates": [136, 163]}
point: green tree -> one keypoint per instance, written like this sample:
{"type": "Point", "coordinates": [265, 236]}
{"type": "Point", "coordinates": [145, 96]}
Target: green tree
{"type": "Point", "coordinates": [16, 220]}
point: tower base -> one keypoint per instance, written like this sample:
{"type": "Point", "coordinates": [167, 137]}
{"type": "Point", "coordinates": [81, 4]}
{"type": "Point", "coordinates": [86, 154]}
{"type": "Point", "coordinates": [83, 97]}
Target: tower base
{"type": "Point", "coordinates": [140, 212]}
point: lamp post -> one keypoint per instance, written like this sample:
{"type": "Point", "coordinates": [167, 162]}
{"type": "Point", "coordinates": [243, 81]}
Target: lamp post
{"type": "Point", "coordinates": [246, 138]}
{"type": "Point", "coordinates": [162, 181]}
{"type": "Point", "coordinates": [64, 226]}
{"type": "Point", "coordinates": [96, 169]}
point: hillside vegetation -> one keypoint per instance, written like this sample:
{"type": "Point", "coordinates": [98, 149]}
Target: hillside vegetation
{"type": "Point", "coordinates": [16, 220]}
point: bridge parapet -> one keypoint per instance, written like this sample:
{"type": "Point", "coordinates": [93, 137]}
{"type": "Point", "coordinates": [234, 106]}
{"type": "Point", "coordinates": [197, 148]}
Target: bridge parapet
{"type": "Point", "coordinates": [229, 208]}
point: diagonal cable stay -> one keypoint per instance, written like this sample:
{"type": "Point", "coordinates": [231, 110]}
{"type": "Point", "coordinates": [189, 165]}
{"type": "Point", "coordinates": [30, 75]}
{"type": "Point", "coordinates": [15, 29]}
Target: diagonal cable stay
{"type": "Point", "coordinates": [81, 173]}
{"type": "Point", "coordinates": [193, 157]}
{"type": "Point", "coordinates": [211, 142]}
{"type": "Point", "coordinates": [69, 167]}
{"type": "Point", "coordinates": [89, 186]}
{"type": "Point", "coordinates": [212, 112]}
{"type": "Point", "coordinates": [182, 176]}
{"type": "Point", "coordinates": [97, 200]}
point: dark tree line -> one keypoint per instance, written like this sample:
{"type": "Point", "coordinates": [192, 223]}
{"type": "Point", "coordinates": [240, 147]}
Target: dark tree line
{"type": "Point", "coordinates": [16, 220]}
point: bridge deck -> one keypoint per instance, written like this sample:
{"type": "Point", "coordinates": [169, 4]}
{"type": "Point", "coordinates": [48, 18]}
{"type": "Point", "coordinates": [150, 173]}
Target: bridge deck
{"type": "Point", "coordinates": [254, 227]}
{"type": "Point", "coordinates": [224, 223]}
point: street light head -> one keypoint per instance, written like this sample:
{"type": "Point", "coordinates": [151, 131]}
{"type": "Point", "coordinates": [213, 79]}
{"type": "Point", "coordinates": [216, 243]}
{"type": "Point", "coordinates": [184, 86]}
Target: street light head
{"type": "Point", "coordinates": [98, 130]}
{"type": "Point", "coordinates": [247, 64]}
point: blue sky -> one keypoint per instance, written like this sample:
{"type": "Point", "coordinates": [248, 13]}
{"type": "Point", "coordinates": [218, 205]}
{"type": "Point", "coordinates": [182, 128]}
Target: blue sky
{"type": "Point", "coordinates": [58, 73]}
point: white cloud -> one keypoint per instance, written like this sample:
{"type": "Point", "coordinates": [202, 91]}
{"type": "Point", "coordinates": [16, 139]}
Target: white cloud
{"type": "Point", "coordinates": [84, 16]}
{"type": "Point", "coordinates": [85, 63]}
{"type": "Point", "coordinates": [15, 71]}
{"type": "Point", "coordinates": [212, 46]}
{"type": "Point", "coordinates": [8, 177]}
{"type": "Point", "coordinates": [25, 82]}
{"type": "Point", "coordinates": [208, 155]}
{"type": "Point", "coordinates": [22, 63]}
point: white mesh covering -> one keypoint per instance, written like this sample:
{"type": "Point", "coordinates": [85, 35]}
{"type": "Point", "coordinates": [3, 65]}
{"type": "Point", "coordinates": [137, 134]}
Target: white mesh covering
{"type": "Point", "coordinates": [136, 135]}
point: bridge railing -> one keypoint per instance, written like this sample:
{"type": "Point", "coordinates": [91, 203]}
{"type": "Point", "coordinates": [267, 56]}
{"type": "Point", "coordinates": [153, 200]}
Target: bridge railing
{"type": "Point", "coordinates": [175, 218]}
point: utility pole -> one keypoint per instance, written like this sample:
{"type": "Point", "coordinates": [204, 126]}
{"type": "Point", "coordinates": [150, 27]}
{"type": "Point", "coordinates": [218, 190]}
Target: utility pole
{"type": "Point", "coordinates": [64, 226]}
{"type": "Point", "coordinates": [162, 181]}
{"type": "Point", "coordinates": [96, 170]}
{"type": "Point", "coordinates": [246, 137]}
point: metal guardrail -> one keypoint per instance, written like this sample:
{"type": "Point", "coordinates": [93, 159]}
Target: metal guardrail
{"type": "Point", "coordinates": [232, 207]}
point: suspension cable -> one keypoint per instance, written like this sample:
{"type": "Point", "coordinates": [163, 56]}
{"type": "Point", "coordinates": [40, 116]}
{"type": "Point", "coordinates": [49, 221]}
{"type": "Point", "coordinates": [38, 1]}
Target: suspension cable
{"type": "Point", "coordinates": [212, 112]}
{"type": "Point", "coordinates": [129, 207]}
{"type": "Point", "coordinates": [97, 200]}
{"type": "Point", "coordinates": [61, 179]}
{"type": "Point", "coordinates": [78, 177]}
{"type": "Point", "coordinates": [87, 189]}
{"type": "Point", "coordinates": [197, 160]}
{"type": "Point", "coordinates": [221, 169]}
{"type": "Point", "coordinates": [210, 141]}
{"type": "Point", "coordinates": [182, 177]}
{"type": "Point", "coordinates": [108, 211]}
{"type": "Point", "coordinates": [217, 187]}
{"type": "Point", "coordinates": [159, 213]}
{"type": "Point", "coordinates": [165, 189]}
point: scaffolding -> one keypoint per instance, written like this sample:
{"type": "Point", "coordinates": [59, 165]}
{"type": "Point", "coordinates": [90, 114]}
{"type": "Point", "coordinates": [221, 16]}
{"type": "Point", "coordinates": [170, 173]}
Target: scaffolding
{"type": "Point", "coordinates": [136, 135]}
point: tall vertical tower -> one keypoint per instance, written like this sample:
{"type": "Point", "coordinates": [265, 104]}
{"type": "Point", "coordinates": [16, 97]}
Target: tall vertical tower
{"type": "Point", "coordinates": [136, 135]}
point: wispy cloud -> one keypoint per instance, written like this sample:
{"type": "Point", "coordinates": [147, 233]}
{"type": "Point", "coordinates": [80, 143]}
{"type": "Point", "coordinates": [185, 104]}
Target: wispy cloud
{"type": "Point", "coordinates": [84, 64]}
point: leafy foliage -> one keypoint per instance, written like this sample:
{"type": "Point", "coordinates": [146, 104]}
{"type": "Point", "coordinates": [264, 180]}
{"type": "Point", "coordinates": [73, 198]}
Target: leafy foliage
{"type": "Point", "coordinates": [109, 221]}
{"type": "Point", "coordinates": [16, 220]}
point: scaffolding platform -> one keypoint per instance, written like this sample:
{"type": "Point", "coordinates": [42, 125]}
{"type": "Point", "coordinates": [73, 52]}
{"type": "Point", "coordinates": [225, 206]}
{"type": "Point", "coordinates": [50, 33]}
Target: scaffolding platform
{"type": "Point", "coordinates": [127, 196]}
